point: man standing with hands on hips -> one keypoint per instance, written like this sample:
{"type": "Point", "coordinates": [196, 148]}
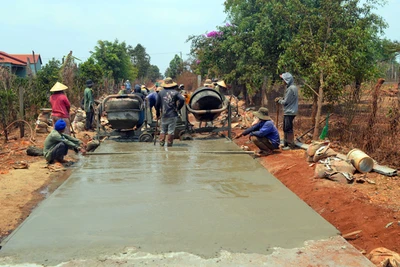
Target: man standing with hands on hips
{"type": "Point", "coordinates": [290, 103]}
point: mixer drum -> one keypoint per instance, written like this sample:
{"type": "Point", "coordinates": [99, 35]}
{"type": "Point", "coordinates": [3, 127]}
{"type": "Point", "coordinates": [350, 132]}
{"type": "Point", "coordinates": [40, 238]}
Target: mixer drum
{"type": "Point", "coordinates": [124, 113]}
{"type": "Point", "coordinates": [206, 104]}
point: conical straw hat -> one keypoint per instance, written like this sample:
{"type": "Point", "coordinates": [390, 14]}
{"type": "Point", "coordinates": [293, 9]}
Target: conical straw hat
{"type": "Point", "coordinates": [221, 83]}
{"type": "Point", "coordinates": [58, 87]}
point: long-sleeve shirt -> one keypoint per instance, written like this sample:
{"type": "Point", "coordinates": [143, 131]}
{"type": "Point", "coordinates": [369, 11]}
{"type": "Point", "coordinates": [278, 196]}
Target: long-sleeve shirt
{"type": "Point", "coordinates": [265, 129]}
{"type": "Point", "coordinates": [290, 100]}
{"type": "Point", "coordinates": [169, 101]}
{"type": "Point", "coordinates": [54, 138]}
{"type": "Point", "coordinates": [60, 105]}
{"type": "Point", "coordinates": [152, 98]}
{"type": "Point", "coordinates": [88, 99]}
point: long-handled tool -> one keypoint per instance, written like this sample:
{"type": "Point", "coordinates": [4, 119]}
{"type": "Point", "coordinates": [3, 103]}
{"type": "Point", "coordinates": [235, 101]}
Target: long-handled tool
{"type": "Point", "coordinates": [324, 120]}
{"type": "Point", "coordinates": [155, 133]}
{"type": "Point", "coordinates": [277, 114]}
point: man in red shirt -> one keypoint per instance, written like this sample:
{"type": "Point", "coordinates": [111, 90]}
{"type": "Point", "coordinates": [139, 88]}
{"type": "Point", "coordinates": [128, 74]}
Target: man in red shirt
{"type": "Point", "coordinates": [60, 105]}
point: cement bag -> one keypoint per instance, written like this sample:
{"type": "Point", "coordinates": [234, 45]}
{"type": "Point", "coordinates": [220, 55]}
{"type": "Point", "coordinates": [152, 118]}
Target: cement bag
{"type": "Point", "coordinates": [314, 146]}
{"type": "Point", "coordinates": [324, 152]}
{"type": "Point", "coordinates": [383, 257]}
{"type": "Point", "coordinates": [335, 169]}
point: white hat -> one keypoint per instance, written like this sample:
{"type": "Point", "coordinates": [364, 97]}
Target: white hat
{"type": "Point", "coordinates": [58, 87]}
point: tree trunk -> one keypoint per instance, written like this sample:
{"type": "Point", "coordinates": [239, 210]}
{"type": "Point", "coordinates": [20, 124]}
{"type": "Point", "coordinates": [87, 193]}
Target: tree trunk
{"type": "Point", "coordinates": [369, 133]}
{"type": "Point", "coordinates": [264, 99]}
{"type": "Point", "coordinates": [319, 106]}
{"type": "Point", "coordinates": [314, 109]}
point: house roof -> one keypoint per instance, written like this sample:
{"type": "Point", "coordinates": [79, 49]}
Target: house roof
{"type": "Point", "coordinates": [23, 57]}
{"type": "Point", "coordinates": [7, 58]}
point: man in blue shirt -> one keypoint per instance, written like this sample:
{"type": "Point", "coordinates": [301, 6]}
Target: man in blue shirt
{"type": "Point", "coordinates": [151, 100]}
{"type": "Point", "coordinates": [263, 134]}
{"type": "Point", "coordinates": [128, 87]}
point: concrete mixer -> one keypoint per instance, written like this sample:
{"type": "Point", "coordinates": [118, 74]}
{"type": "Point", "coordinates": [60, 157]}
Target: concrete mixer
{"type": "Point", "coordinates": [206, 104]}
{"type": "Point", "coordinates": [126, 116]}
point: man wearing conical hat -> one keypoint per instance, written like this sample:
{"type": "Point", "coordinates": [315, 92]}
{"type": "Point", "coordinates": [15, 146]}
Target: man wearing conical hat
{"type": "Point", "coordinates": [263, 134]}
{"type": "Point", "coordinates": [169, 102]}
{"type": "Point", "coordinates": [60, 105]}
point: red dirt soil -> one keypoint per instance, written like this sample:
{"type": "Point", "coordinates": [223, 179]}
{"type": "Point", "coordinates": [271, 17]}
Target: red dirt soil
{"type": "Point", "coordinates": [349, 207]}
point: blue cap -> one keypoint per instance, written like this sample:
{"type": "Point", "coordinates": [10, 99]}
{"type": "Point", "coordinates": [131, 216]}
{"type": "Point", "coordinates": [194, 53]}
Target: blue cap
{"type": "Point", "coordinates": [60, 125]}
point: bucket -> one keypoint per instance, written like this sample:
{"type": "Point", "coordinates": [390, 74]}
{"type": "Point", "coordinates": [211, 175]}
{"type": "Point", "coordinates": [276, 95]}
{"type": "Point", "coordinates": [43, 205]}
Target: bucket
{"type": "Point", "coordinates": [361, 161]}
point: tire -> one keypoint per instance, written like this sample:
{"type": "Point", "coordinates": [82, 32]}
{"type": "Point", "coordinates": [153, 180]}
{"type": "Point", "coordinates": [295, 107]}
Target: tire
{"type": "Point", "coordinates": [145, 137]}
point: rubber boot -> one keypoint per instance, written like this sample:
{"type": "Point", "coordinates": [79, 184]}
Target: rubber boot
{"type": "Point", "coordinates": [170, 139]}
{"type": "Point", "coordinates": [162, 139]}
{"type": "Point", "coordinates": [292, 145]}
{"type": "Point", "coordinates": [289, 142]}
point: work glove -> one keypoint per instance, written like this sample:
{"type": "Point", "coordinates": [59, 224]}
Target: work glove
{"type": "Point", "coordinates": [277, 99]}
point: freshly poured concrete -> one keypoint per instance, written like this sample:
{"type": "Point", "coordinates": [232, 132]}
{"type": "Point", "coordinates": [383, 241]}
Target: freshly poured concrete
{"type": "Point", "coordinates": [164, 202]}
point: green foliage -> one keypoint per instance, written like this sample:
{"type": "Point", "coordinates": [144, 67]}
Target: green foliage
{"type": "Point", "coordinates": [338, 39]}
{"type": "Point", "coordinates": [175, 67]}
{"type": "Point", "coordinates": [153, 73]}
{"type": "Point", "coordinates": [90, 70]}
{"type": "Point", "coordinates": [141, 60]}
{"type": "Point", "coordinates": [8, 96]}
{"type": "Point", "coordinates": [39, 93]}
{"type": "Point", "coordinates": [333, 44]}
{"type": "Point", "coordinates": [114, 60]}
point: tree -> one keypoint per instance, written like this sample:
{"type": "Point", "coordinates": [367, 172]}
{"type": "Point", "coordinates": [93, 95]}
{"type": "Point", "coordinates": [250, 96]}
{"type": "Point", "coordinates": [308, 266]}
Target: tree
{"type": "Point", "coordinates": [141, 60]}
{"type": "Point", "coordinates": [90, 70]}
{"type": "Point", "coordinates": [332, 44]}
{"type": "Point", "coordinates": [153, 73]}
{"type": "Point", "coordinates": [114, 60]}
{"type": "Point", "coordinates": [46, 77]}
{"type": "Point", "coordinates": [175, 67]}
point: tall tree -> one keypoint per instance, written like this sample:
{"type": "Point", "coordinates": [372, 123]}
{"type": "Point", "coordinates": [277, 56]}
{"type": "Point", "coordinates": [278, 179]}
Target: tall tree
{"type": "Point", "coordinates": [141, 60]}
{"type": "Point", "coordinates": [333, 43]}
{"type": "Point", "coordinates": [114, 59]}
{"type": "Point", "coordinates": [175, 67]}
{"type": "Point", "coordinates": [153, 73]}
{"type": "Point", "coordinates": [90, 70]}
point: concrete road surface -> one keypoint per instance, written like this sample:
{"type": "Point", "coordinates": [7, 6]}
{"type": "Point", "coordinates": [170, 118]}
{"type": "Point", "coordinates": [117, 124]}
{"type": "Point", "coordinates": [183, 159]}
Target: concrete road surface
{"type": "Point", "coordinates": [181, 206]}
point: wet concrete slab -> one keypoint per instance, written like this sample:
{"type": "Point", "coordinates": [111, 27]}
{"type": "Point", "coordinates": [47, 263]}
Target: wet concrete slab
{"type": "Point", "coordinates": [185, 202]}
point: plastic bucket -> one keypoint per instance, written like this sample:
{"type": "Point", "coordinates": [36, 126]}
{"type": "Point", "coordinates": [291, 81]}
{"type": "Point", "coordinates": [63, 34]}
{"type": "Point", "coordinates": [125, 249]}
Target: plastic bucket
{"type": "Point", "coordinates": [361, 161]}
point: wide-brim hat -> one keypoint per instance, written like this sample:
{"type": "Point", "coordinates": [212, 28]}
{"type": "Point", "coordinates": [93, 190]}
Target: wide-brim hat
{"type": "Point", "coordinates": [262, 114]}
{"type": "Point", "coordinates": [58, 87]}
{"type": "Point", "coordinates": [158, 89]}
{"type": "Point", "coordinates": [168, 83]}
{"type": "Point", "coordinates": [221, 83]}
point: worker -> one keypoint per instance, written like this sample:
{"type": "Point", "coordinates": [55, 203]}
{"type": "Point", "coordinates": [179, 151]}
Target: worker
{"type": "Point", "coordinates": [144, 89]}
{"type": "Point", "coordinates": [151, 100]}
{"type": "Point", "coordinates": [264, 134]}
{"type": "Point", "coordinates": [89, 105]}
{"type": "Point", "coordinates": [57, 143]}
{"type": "Point", "coordinates": [60, 105]}
{"type": "Point", "coordinates": [221, 87]}
{"type": "Point", "coordinates": [128, 86]}
{"type": "Point", "coordinates": [290, 103]}
{"type": "Point", "coordinates": [208, 83]}
{"type": "Point", "coordinates": [169, 102]}
{"type": "Point", "coordinates": [123, 90]}
{"type": "Point", "coordinates": [137, 90]}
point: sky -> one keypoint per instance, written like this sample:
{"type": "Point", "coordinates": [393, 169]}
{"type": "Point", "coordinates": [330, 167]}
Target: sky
{"type": "Point", "coordinates": [53, 28]}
